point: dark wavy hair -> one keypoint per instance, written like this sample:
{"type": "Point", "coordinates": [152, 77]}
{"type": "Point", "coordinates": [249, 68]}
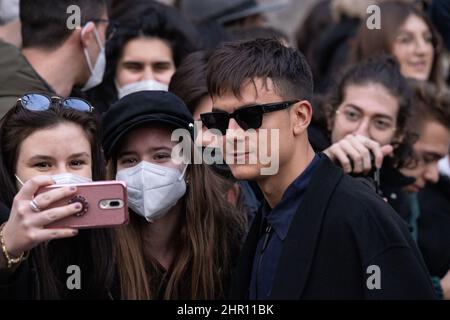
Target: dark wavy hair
{"type": "Point", "coordinates": [385, 71]}
{"type": "Point", "coordinates": [91, 250]}
{"type": "Point", "coordinates": [430, 103]}
{"type": "Point", "coordinates": [148, 19]}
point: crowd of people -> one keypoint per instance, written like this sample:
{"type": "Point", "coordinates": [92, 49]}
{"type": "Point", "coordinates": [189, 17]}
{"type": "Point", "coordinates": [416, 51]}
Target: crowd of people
{"type": "Point", "coordinates": [358, 119]}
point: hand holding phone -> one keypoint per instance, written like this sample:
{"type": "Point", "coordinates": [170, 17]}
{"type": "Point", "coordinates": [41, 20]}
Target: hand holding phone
{"type": "Point", "coordinates": [103, 204]}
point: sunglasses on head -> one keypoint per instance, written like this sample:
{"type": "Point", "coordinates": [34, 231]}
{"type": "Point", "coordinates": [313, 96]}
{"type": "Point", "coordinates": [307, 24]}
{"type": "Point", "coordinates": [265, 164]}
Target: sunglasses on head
{"type": "Point", "coordinates": [247, 118]}
{"type": "Point", "coordinates": [43, 102]}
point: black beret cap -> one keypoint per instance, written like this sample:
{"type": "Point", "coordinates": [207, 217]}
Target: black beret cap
{"type": "Point", "coordinates": [143, 107]}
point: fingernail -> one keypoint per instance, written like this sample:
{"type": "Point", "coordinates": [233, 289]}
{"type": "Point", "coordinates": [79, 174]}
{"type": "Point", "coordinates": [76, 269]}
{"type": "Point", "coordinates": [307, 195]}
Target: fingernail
{"type": "Point", "coordinates": [77, 206]}
{"type": "Point", "coordinates": [75, 232]}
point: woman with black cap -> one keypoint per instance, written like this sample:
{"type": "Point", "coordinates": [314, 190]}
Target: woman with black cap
{"type": "Point", "coordinates": [184, 235]}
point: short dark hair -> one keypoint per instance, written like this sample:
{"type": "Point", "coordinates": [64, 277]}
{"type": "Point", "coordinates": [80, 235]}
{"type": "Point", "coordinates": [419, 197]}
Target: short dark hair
{"type": "Point", "coordinates": [251, 33]}
{"type": "Point", "coordinates": [151, 19]}
{"type": "Point", "coordinates": [44, 22]}
{"type": "Point", "coordinates": [231, 65]}
{"type": "Point", "coordinates": [144, 19]}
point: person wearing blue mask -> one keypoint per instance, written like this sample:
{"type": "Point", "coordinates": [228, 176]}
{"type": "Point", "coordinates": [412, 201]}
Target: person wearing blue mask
{"type": "Point", "coordinates": [61, 51]}
{"type": "Point", "coordinates": [183, 236]}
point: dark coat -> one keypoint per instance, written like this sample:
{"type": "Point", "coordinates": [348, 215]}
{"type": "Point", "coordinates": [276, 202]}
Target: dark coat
{"type": "Point", "coordinates": [440, 15]}
{"type": "Point", "coordinates": [4, 213]}
{"type": "Point", "coordinates": [392, 187]}
{"type": "Point", "coordinates": [341, 228]}
{"type": "Point", "coordinates": [22, 284]}
{"type": "Point", "coordinates": [392, 181]}
{"type": "Point", "coordinates": [434, 226]}
{"type": "Point", "coordinates": [17, 77]}
{"type": "Point", "coordinates": [19, 284]}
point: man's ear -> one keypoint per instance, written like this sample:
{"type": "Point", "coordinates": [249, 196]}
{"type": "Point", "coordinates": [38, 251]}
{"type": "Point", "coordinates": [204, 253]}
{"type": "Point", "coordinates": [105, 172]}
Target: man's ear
{"type": "Point", "coordinates": [87, 34]}
{"type": "Point", "coordinates": [301, 114]}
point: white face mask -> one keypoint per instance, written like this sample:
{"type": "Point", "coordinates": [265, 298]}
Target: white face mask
{"type": "Point", "coordinates": [98, 70]}
{"type": "Point", "coordinates": [144, 85]}
{"type": "Point", "coordinates": [152, 189]}
{"type": "Point", "coordinates": [64, 178]}
{"type": "Point", "coordinates": [69, 178]}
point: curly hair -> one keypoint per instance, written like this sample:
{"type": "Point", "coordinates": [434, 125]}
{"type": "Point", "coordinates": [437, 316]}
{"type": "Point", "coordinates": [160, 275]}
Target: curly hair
{"type": "Point", "coordinates": [152, 20]}
{"type": "Point", "coordinates": [385, 71]}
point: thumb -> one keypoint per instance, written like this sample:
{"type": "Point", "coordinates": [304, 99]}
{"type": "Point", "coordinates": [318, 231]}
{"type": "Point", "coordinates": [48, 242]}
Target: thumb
{"type": "Point", "coordinates": [387, 150]}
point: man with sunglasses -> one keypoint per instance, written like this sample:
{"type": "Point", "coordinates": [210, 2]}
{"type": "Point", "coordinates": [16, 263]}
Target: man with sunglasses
{"type": "Point", "coordinates": [57, 56]}
{"type": "Point", "coordinates": [320, 233]}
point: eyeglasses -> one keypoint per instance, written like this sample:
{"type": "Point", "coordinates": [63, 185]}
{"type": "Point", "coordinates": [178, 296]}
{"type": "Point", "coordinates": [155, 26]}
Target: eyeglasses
{"type": "Point", "coordinates": [354, 117]}
{"type": "Point", "coordinates": [247, 118]}
{"type": "Point", "coordinates": [110, 29]}
{"type": "Point", "coordinates": [43, 102]}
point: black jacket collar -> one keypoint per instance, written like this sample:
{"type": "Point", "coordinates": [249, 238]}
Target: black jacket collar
{"type": "Point", "coordinates": [390, 176]}
{"type": "Point", "coordinates": [301, 241]}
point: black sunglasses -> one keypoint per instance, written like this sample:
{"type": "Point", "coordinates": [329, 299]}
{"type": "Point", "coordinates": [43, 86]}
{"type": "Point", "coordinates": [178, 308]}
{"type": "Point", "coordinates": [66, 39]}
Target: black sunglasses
{"type": "Point", "coordinates": [247, 118]}
{"type": "Point", "coordinates": [43, 102]}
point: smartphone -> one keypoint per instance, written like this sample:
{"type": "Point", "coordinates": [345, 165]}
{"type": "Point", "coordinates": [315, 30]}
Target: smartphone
{"type": "Point", "coordinates": [104, 205]}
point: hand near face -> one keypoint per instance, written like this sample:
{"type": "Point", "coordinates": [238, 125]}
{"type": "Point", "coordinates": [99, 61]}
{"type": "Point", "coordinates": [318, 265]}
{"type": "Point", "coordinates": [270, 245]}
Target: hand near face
{"type": "Point", "coordinates": [356, 149]}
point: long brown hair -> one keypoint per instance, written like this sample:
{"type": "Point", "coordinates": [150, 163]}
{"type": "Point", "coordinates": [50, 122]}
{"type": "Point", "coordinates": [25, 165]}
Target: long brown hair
{"type": "Point", "coordinates": [369, 42]}
{"type": "Point", "coordinates": [210, 233]}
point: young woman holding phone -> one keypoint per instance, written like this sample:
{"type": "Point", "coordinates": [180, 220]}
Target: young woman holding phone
{"type": "Point", "coordinates": [44, 141]}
